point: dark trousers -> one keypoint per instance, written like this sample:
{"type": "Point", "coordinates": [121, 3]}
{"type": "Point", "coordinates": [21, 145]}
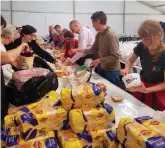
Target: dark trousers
{"type": "Point", "coordinates": [112, 76]}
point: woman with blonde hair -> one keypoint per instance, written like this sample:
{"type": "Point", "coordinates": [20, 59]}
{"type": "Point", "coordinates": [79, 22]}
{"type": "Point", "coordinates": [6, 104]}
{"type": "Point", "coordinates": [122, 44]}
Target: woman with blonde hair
{"type": "Point", "coordinates": [152, 56]}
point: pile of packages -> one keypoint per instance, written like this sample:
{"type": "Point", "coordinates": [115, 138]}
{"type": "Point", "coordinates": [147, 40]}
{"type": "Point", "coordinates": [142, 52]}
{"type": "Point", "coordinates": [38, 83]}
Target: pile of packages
{"type": "Point", "coordinates": [142, 132]}
{"type": "Point", "coordinates": [77, 119]}
{"type": "Point", "coordinates": [33, 125]}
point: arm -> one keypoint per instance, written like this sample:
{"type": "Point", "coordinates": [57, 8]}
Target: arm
{"type": "Point", "coordinates": [80, 51]}
{"type": "Point", "coordinates": [12, 55]}
{"type": "Point", "coordinates": [129, 64]}
{"type": "Point", "coordinates": [40, 52]}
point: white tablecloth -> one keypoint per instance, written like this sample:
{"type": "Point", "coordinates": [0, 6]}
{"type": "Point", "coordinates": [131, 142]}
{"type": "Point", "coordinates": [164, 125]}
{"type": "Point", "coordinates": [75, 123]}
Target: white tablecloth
{"type": "Point", "coordinates": [129, 107]}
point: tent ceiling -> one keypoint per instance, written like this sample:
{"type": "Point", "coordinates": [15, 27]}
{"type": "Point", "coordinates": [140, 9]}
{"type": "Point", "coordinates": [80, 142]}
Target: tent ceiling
{"type": "Point", "coordinates": [156, 5]}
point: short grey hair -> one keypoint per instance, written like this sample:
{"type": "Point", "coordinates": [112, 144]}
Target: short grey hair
{"type": "Point", "coordinates": [7, 32]}
{"type": "Point", "coordinates": [74, 22]}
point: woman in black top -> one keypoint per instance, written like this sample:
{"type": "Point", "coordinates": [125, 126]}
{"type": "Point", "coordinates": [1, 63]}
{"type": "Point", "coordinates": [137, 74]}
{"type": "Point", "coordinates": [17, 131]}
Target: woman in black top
{"type": "Point", "coordinates": [28, 36]}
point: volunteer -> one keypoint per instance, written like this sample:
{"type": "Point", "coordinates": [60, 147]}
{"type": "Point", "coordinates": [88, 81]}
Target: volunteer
{"type": "Point", "coordinates": [28, 36]}
{"type": "Point", "coordinates": [70, 42]}
{"type": "Point", "coordinates": [7, 58]}
{"type": "Point", "coordinates": [86, 40]}
{"type": "Point", "coordinates": [107, 44]}
{"type": "Point", "coordinates": [152, 56]}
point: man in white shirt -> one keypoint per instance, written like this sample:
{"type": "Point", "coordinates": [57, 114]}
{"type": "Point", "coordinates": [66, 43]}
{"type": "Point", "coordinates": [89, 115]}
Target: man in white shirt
{"type": "Point", "coordinates": [85, 41]}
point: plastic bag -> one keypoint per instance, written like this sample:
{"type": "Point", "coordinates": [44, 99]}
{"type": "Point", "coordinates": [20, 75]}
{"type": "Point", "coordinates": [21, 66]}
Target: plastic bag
{"type": "Point", "coordinates": [32, 90]}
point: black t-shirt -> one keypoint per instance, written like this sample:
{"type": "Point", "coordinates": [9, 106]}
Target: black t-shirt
{"type": "Point", "coordinates": [152, 72]}
{"type": "Point", "coordinates": [35, 47]}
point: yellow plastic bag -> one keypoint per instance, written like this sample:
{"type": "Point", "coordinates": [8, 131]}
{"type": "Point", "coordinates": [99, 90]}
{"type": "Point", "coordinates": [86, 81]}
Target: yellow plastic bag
{"type": "Point", "coordinates": [42, 142]}
{"type": "Point", "coordinates": [132, 134]}
{"type": "Point", "coordinates": [152, 124]}
{"type": "Point", "coordinates": [40, 118]}
{"type": "Point", "coordinates": [85, 95]}
{"type": "Point", "coordinates": [110, 140]}
{"type": "Point", "coordinates": [90, 119]}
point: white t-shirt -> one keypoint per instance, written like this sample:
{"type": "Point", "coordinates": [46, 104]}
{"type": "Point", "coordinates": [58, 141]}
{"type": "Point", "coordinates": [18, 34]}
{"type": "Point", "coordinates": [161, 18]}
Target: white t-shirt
{"type": "Point", "coordinates": [7, 68]}
{"type": "Point", "coordinates": [85, 41]}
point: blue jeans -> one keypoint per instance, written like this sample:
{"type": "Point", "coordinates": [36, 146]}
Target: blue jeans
{"type": "Point", "coordinates": [112, 76]}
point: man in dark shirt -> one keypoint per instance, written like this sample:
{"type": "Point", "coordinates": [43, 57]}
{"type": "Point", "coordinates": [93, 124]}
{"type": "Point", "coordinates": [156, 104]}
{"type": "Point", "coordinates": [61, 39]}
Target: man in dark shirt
{"type": "Point", "coordinates": [28, 35]}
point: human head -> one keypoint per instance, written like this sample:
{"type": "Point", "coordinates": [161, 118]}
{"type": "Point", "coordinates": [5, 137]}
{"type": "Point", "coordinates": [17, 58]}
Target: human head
{"type": "Point", "coordinates": [68, 35]}
{"type": "Point", "coordinates": [58, 28]}
{"type": "Point", "coordinates": [28, 33]}
{"type": "Point", "coordinates": [14, 29]}
{"type": "Point", "coordinates": [152, 34]}
{"type": "Point", "coordinates": [99, 19]}
{"type": "Point", "coordinates": [75, 26]}
{"type": "Point", "coordinates": [3, 23]}
{"type": "Point", "coordinates": [7, 36]}
{"type": "Point", "coordinates": [51, 28]}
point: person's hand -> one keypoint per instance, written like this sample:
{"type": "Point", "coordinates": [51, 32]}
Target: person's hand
{"type": "Point", "coordinates": [140, 88]}
{"type": "Point", "coordinates": [25, 47]}
{"type": "Point", "coordinates": [63, 59]}
{"type": "Point", "coordinates": [124, 72]}
{"type": "Point", "coordinates": [95, 63]}
{"type": "Point", "coordinates": [73, 51]}
{"type": "Point", "coordinates": [67, 63]}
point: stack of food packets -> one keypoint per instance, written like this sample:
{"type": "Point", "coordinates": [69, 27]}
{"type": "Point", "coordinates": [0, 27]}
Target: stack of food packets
{"type": "Point", "coordinates": [90, 117]}
{"type": "Point", "coordinates": [141, 132]}
{"type": "Point", "coordinates": [93, 139]}
{"type": "Point", "coordinates": [34, 124]}
{"type": "Point", "coordinates": [85, 95]}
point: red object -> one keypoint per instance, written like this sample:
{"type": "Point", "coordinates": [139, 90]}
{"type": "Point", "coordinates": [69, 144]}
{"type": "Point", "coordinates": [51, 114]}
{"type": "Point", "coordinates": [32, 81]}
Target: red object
{"type": "Point", "coordinates": [159, 96]}
{"type": "Point", "coordinates": [69, 46]}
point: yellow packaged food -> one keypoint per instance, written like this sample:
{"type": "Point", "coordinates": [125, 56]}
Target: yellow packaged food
{"type": "Point", "coordinates": [136, 135]}
{"type": "Point", "coordinates": [110, 140]}
{"type": "Point", "coordinates": [152, 124]}
{"type": "Point", "coordinates": [68, 139]}
{"type": "Point", "coordinates": [40, 119]}
{"type": "Point", "coordinates": [8, 132]}
{"type": "Point", "coordinates": [51, 97]}
{"type": "Point", "coordinates": [90, 119]}
{"type": "Point", "coordinates": [46, 141]}
{"type": "Point", "coordinates": [120, 130]}
{"type": "Point", "coordinates": [85, 95]}
{"type": "Point", "coordinates": [9, 121]}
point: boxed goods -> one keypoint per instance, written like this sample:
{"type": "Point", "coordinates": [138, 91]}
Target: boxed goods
{"type": "Point", "coordinates": [46, 141]}
{"type": "Point", "coordinates": [85, 95]}
{"type": "Point", "coordinates": [133, 134]}
{"type": "Point", "coordinates": [152, 124]}
{"type": "Point", "coordinates": [89, 119]}
{"type": "Point", "coordinates": [132, 80]}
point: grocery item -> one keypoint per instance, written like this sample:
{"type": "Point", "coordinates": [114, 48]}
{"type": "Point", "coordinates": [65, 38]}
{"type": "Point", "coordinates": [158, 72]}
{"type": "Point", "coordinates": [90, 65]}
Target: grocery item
{"type": "Point", "coordinates": [85, 95]}
{"type": "Point", "coordinates": [132, 80]}
{"type": "Point", "coordinates": [8, 132]}
{"type": "Point", "coordinates": [68, 139]}
{"type": "Point", "coordinates": [51, 96]}
{"type": "Point", "coordinates": [22, 76]}
{"type": "Point", "coordinates": [152, 124]}
{"type": "Point", "coordinates": [10, 121]}
{"type": "Point", "coordinates": [117, 98]}
{"type": "Point", "coordinates": [41, 117]}
{"type": "Point", "coordinates": [110, 140]}
{"type": "Point", "coordinates": [133, 134]}
{"type": "Point", "coordinates": [91, 119]}
{"type": "Point", "coordinates": [46, 141]}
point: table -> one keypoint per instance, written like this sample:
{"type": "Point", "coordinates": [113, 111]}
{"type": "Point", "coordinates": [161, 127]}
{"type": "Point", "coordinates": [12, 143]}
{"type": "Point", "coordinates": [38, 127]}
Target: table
{"type": "Point", "coordinates": [129, 107]}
